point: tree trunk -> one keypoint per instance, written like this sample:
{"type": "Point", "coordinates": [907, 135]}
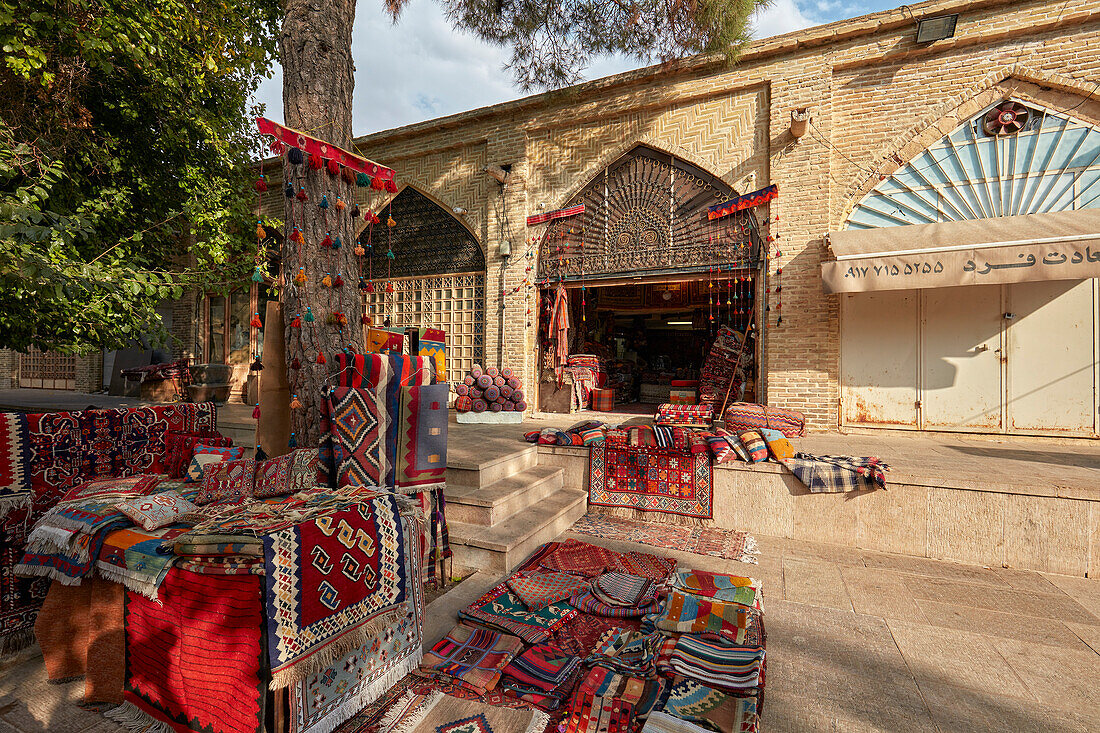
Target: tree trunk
{"type": "Point", "coordinates": [318, 82]}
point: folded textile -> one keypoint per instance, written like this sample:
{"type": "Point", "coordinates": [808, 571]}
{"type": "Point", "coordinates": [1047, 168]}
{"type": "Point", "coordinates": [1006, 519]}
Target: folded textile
{"type": "Point", "coordinates": [684, 613]}
{"type": "Point", "coordinates": [621, 589]}
{"type": "Point", "coordinates": [501, 610]}
{"type": "Point", "coordinates": [752, 416]}
{"type": "Point", "coordinates": [440, 713]}
{"type": "Point", "coordinates": [608, 702]}
{"type": "Point", "coordinates": [719, 665]}
{"type": "Point", "coordinates": [539, 590]}
{"type": "Point", "coordinates": [720, 587]}
{"type": "Point", "coordinates": [586, 602]}
{"type": "Point", "coordinates": [709, 708]}
{"type": "Point", "coordinates": [543, 675]}
{"type": "Point", "coordinates": [217, 546]}
{"type": "Point", "coordinates": [580, 635]}
{"type": "Point", "coordinates": [133, 557]}
{"type": "Point", "coordinates": [659, 722]}
{"type": "Point", "coordinates": [833, 474]}
{"type": "Point", "coordinates": [222, 565]}
{"type": "Point", "coordinates": [685, 415]}
{"type": "Point", "coordinates": [472, 657]}
{"type": "Point", "coordinates": [644, 565]}
{"type": "Point", "coordinates": [628, 651]}
{"type": "Point", "coordinates": [579, 558]}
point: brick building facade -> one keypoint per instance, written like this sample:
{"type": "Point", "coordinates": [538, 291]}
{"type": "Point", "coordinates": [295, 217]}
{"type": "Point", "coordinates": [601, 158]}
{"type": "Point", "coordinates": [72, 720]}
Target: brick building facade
{"type": "Point", "coordinates": [875, 97]}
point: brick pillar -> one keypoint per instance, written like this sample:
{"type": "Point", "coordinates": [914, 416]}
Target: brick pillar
{"type": "Point", "coordinates": [9, 369]}
{"type": "Point", "coordinates": [89, 372]}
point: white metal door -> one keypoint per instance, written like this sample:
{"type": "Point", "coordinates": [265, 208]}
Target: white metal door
{"type": "Point", "coordinates": [961, 347]}
{"type": "Point", "coordinates": [1050, 356]}
{"type": "Point", "coordinates": [878, 369]}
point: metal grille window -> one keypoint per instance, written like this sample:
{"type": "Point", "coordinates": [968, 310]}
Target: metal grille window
{"type": "Point", "coordinates": [47, 370]}
{"type": "Point", "coordinates": [454, 303]}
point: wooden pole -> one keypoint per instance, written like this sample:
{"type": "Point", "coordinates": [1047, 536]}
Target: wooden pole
{"type": "Point", "coordinates": [737, 362]}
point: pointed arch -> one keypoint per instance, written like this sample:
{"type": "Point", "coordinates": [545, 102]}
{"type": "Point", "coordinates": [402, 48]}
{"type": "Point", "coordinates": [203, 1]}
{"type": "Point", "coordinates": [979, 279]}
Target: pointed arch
{"type": "Point", "coordinates": [646, 211]}
{"type": "Point", "coordinates": [1048, 162]}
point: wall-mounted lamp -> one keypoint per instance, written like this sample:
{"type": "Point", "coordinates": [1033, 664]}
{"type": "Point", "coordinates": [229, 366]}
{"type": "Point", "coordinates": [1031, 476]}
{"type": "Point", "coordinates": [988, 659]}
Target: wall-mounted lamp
{"type": "Point", "coordinates": [504, 249]}
{"type": "Point", "coordinates": [800, 121]}
{"type": "Point", "coordinates": [930, 30]}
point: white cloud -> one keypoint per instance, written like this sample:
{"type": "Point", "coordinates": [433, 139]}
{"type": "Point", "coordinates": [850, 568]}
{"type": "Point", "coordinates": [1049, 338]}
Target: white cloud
{"type": "Point", "coordinates": [782, 16]}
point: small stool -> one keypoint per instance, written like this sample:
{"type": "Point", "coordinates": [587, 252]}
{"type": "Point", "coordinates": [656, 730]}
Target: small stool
{"type": "Point", "coordinates": [602, 399]}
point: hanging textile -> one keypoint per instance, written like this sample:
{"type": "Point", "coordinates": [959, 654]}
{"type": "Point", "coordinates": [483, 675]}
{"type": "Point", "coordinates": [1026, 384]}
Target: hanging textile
{"type": "Point", "coordinates": [559, 329]}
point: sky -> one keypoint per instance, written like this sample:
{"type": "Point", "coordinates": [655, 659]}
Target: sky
{"type": "Point", "coordinates": [421, 68]}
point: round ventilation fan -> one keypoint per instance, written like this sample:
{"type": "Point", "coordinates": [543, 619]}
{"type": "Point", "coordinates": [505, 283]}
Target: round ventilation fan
{"type": "Point", "coordinates": [1006, 118]}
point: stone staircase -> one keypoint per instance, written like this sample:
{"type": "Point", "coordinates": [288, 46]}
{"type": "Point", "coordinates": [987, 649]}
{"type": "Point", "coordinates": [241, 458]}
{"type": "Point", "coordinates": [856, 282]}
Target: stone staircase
{"type": "Point", "coordinates": [501, 507]}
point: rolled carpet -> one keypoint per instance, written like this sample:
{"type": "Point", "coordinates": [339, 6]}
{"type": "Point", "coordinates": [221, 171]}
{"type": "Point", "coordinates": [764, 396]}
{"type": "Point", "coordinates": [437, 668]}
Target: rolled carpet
{"type": "Point", "coordinates": [492, 371]}
{"type": "Point", "coordinates": [475, 393]}
{"type": "Point", "coordinates": [491, 393]}
{"type": "Point", "coordinates": [462, 390]}
{"type": "Point", "coordinates": [500, 381]}
{"type": "Point", "coordinates": [480, 405]}
{"type": "Point", "coordinates": [468, 380]}
{"type": "Point", "coordinates": [484, 381]}
{"type": "Point", "coordinates": [509, 406]}
{"type": "Point", "coordinates": [517, 395]}
{"type": "Point", "coordinates": [521, 406]}
{"type": "Point", "coordinates": [506, 372]}
{"type": "Point", "coordinates": [506, 391]}
{"type": "Point", "coordinates": [514, 382]}
{"type": "Point", "coordinates": [464, 404]}
{"type": "Point", "coordinates": [476, 371]}
{"type": "Point", "coordinates": [496, 407]}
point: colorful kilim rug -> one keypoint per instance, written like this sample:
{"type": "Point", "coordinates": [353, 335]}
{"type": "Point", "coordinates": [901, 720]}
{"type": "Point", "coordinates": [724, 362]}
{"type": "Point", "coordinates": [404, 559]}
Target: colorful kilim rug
{"type": "Point", "coordinates": [422, 438]}
{"type": "Point", "coordinates": [133, 557]}
{"type": "Point", "coordinates": [581, 634]}
{"type": "Point", "coordinates": [331, 696]}
{"type": "Point", "coordinates": [684, 613]}
{"type": "Point", "coordinates": [726, 588]}
{"type": "Point", "coordinates": [359, 427]}
{"type": "Point", "coordinates": [539, 590]}
{"type": "Point", "coordinates": [623, 589]}
{"type": "Point", "coordinates": [440, 713]}
{"type": "Point", "coordinates": [193, 661]}
{"type": "Point", "coordinates": [659, 722]}
{"type": "Point", "coordinates": [579, 558]}
{"type": "Point", "coordinates": [15, 463]}
{"type": "Point", "coordinates": [726, 543]}
{"type": "Point", "coordinates": [645, 479]}
{"type": "Point", "coordinates": [501, 610]}
{"type": "Point", "coordinates": [471, 657]}
{"type": "Point", "coordinates": [20, 599]}
{"type": "Point", "coordinates": [587, 603]}
{"type": "Point", "coordinates": [627, 651]}
{"type": "Point", "coordinates": [709, 708]}
{"type": "Point", "coordinates": [332, 584]}
{"type": "Point", "coordinates": [716, 664]}
{"type": "Point", "coordinates": [609, 702]}
{"type": "Point", "coordinates": [542, 675]}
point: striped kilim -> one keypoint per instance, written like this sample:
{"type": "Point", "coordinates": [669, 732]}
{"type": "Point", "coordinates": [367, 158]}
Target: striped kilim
{"type": "Point", "coordinates": [542, 675]}
{"type": "Point", "coordinates": [472, 657]}
{"type": "Point", "coordinates": [588, 603]}
{"type": "Point", "coordinates": [609, 702]}
{"type": "Point", "coordinates": [539, 590]}
{"type": "Point", "coordinates": [684, 613]}
{"type": "Point", "coordinates": [621, 589]}
{"type": "Point", "coordinates": [712, 663]}
{"type": "Point", "coordinates": [503, 611]}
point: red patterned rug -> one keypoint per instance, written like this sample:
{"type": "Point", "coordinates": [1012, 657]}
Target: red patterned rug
{"type": "Point", "coordinates": [727, 543]}
{"type": "Point", "coordinates": [651, 481]}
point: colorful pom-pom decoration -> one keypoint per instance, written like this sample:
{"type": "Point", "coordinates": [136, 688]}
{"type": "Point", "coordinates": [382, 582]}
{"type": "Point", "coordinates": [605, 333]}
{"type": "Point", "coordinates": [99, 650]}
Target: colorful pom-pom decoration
{"type": "Point", "coordinates": [302, 194]}
{"type": "Point", "coordinates": [295, 156]}
{"type": "Point", "coordinates": [340, 205]}
{"type": "Point", "coordinates": [362, 180]}
{"type": "Point", "coordinates": [293, 442]}
{"type": "Point", "coordinates": [256, 413]}
{"type": "Point", "coordinates": [323, 204]}
{"type": "Point", "coordinates": [338, 281]}
{"type": "Point", "coordinates": [300, 277]}
{"type": "Point", "coordinates": [333, 167]}
{"type": "Point", "coordinates": [295, 364]}
{"type": "Point", "coordinates": [359, 251]}
{"type": "Point", "coordinates": [309, 314]}
{"type": "Point", "coordinates": [390, 222]}
{"type": "Point", "coordinates": [260, 232]}
{"type": "Point", "coordinates": [260, 185]}
{"type": "Point", "coordinates": [297, 322]}
{"type": "Point", "coordinates": [336, 243]}
{"type": "Point", "coordinates": [378, 184]}
{"type": "Point", "coordinates": [257, 275]}
{"type": "Point", "coordinates": [355, 211]}
{"type": "Point", "coordinates": [255, 322]}
{"type": "Point", "coordinates": [327, 280]}
{"type": "Point", "coordinates": [365, 319]}
{"type": "Point", "coordinates": [295, 403]}
{"type": "Point", "coordinates": [316, 163]}
{"type": "Point", "coordinates": [289, 190]}
{"type": "Point", "coordinates": [327, 241]}
{"type": "Point", "coordinates": [391, 187]}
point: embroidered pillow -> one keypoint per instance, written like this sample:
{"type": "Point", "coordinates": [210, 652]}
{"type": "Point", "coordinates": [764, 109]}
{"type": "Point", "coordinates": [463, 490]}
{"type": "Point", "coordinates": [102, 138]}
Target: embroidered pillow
{"type": "Point", "coordinates": [159, 510]}
{"type": "Point", "coordinates": [539, 590]}
{"type": "Point", "coordinates": [227, 480]}
{"type": "Point", "coordinates": [231, 454]}
{"type": "Point", "coordinates": [287, 474]}
{"type": "Point", "coordinates": [778, 444]}
{"type": "Point", "coordinates": [198, 466]}
{"type": "Point", "coordinates": [755, 446]}
{"type": "Point", "coordinates": [720, 449]}
{"type": "Point", "coordinates": [592, 435]}
{"type": "Point", "coordinates": [735, 444]}
{"type": "Point", "coordinates": [180, 447]}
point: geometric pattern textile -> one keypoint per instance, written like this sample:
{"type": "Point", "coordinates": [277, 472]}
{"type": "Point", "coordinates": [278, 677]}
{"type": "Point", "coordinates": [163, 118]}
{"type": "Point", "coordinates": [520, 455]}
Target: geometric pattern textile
{"type": "Point", "coordinates": [193, 658]}
{"type": "Point", "coordinates": [327, 698]}
{"type": "Point", "coordinates": [539, 590]}
{"type": "Point", "coordinates": [726, 588]}
{"type": "Point", "coordinates": [711, 709]}
{"type": "Point", "coordinates": [542, 675]}
{"type": "Point", "coordinates": [684, 613]}
{"type": "Point", "coordinates": [660, 722]}
{"type": "Point", "coordinates": [20, 599]}
{"type": "Point", "coordinates": [132, 556]}
{"type": "Point", "coordinates": [713, 663]}
{"type": "Point", "coordinates": [621, 589]}
{"type": "Point", "coordinates": [332, 584]}
{"type": "Point", "coordinates": [472, 657]}
{"type": "Point", "coordinates": [835, 474]}
{"type": "Point", "coordinates": [359, 425]}
{"type": "Point", "coordinates": [608, 702]}
{"type": "Point", "coordinates": [422, 437]}
{"type": "Point", "coordinates": [286, 474]}
{"type": "Point", "coordinates": [440, 713]}
{"type": "Point", "coordinates": [158, 510]}
{"type": "Point", "coordinates": [15, 463]}
{"type": "Point", "coordinates": [227, 480]}
{"type": "Point", "coordinates": [728, 543]}
{"type": "Point", "coordinates": [580, 558]}
{"type": "Point", "coordinates": [503, 611]}
{"type": "Point", "coordinates": [651, 480]}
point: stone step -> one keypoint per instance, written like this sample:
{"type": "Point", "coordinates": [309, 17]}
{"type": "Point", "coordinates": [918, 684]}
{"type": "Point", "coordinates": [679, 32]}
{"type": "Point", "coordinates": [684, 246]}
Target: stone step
{"type": "Point", "coordinates": [503, 547]}
{"type": "Point", "coordinates": [242, 433]}
{"type": "Point", "coordinates": [469, 466]}
{"type": "Point", "coordinates": [489, 505]}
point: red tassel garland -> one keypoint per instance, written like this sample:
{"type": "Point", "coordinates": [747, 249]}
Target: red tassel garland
{"type": "Point", "coordinates": [333, 167]}
{"type": "Point", "coordinates": [297, 322]}
{"type": "Point", "coordinates": [327, 241]}
{"type": "Point", "coordinates": [315, 162]}
{"type": "Point", "coordinates": [378, 184]}
{"type": "Point", "coordinates": [321, 358]}
{"type": "Point", "coordinates": [338, 282]}
{"type": "Point", "coordinates": [302, 194]}
{"type": "Point", "coordinates": [260, 185]}
{"type": "Point", "coordinates": [256, 413]}
{"type": "Point", "coordinates": [255, 322]}
{"type": "Point", "coordinates": [391, 187]}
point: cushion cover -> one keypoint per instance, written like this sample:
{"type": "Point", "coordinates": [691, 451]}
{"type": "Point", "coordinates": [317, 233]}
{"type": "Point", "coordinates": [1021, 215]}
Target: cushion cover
{"type": "Point", "coordinates": [198, 465]}
{"type": "Point", "coordinates": [159, 510]}
{"type": "Point", "coordinates": [286, 474]}
{"type": "Point", "coordinates": [227, 480]}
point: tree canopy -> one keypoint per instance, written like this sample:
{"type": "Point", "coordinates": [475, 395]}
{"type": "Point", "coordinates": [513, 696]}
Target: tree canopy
{"type": "Point", "coordinates": [125, 149]}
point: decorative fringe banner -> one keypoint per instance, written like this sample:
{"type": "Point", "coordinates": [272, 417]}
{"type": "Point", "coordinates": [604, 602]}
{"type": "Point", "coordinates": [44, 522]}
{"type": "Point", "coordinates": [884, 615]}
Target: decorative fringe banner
{"type": "Point", "coordinates": [748, 201]}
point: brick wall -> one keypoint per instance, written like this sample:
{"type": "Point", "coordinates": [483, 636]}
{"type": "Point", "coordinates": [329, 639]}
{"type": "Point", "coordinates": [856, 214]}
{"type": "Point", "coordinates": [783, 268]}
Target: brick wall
{"type": "Point", "coordinates": [9, 369]}
{"type": "Point", "coordinates": [873, 94]}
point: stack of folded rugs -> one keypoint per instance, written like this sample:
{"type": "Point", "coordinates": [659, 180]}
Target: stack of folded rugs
{"type": "Point", "coordinates": [490, 389]}
{"type": "Point", "coordinates": [587, 640]}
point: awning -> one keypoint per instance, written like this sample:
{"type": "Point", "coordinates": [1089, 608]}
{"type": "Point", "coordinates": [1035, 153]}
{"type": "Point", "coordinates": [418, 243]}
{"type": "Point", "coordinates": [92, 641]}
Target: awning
{"type": "Point", "coordinates": [1063, 245]}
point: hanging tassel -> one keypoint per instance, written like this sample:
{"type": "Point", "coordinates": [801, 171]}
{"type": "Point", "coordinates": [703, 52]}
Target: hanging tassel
{"type": "Point", "coordinates": [336, 243]}
{"type": "Point", "coordinates": [389, 287]}
{"type": "Point", "coordinates": [302, 194]}
{"type": "Point", "coordinates": [355, 211]}
{"type": "Point", "coordinates": [362, 284]}
{"type": "Point", "coordinates": [324, 201]}
{"type": "Point", "coordinates": [362, 180]}
{"type": "Point", "coordinates": [327, 280]}
{"type": "Point", "coordinates": [390, 254]}
{"type": "Point", "coordinates": [289, 190]}
{"type": "Point", "coordinates": [316, 163]}
{"type": "Point", "coordinates": [300, 278]}
{"type": "Point", "coordinates": [333, 167]}
{"type": "Point", "coordinates": [391, 187]}
{"type": "Point", "coordinates": [295, 403]}
{"type": "Point", "coordinates": [365, 319]}
{"type": "Point", "coordinates": [260, 185]}
{"type": "Point", "coordinates": [359, 251]}
{"type": "Point", "coordinates": [348, 175]}
{"type": "Point", "coordinates": [260, 455]}
{"type": "Point", "coordinates": [321, 358]}
{"type": "Point", "coordinates": [309, 314]}
{"type": "Point", "coordinates": [370, 287]}
{"type": "Point", "coordinates": [295, 364]}
{"type": "Point", "coordinates": [256, 413]}
{"type": "Point", "coordinates": [378, 184]}
{"type": "Point", "coordinates": [297, 322]}
{"type": "Point", "coordinates": [327, 241]}
{"type": "Point", "coordinates": [297, 237]}
{"type": "Point", "coordinates": [390, 222]}
{"type": "Point", "coordinates": [342, 322]}
{"type": "Point", "coordinates": [340, 205]}
{"type": "Point", "coordinates": [338, 282]}
{"type": "Point", "coordinates": [260, 233]}
{"type": "Point", "coordinates": [386, 323]}
{"type": "Point", "coordinates": [330, 319]}
{"type": "Point", "coordinates": [257, 275]}
{"type": "Point", "coordinates": [255, 322]}
{"type": "Point", "coordinates": [295, 156]}
{"type": "Point", "coordinates": [374, 219]}
{"type": "Point", "coordinates": [257, 365]}
{"type": "Point", "coordinates": [293, 443]}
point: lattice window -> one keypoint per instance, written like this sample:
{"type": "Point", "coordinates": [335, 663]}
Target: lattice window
{"type": "Point", "coordinates": [47, 370]}
{"type": "Point", "coordinates": [455, 303]}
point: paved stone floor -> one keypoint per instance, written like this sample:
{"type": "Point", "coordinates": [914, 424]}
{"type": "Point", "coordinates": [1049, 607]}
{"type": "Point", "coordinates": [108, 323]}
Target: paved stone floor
{"type": "Point", "coordinates": [857, 641]}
